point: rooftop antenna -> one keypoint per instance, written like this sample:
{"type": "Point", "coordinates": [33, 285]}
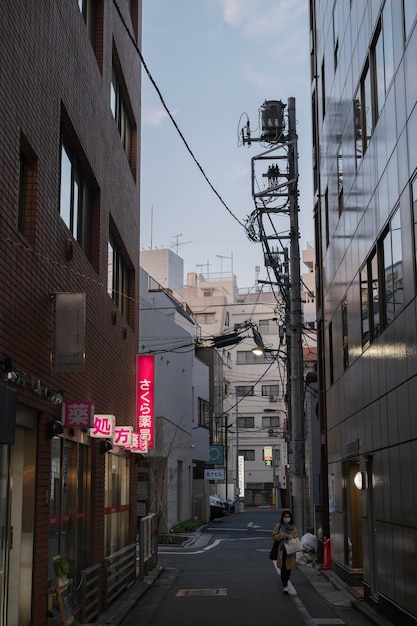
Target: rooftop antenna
{"type": "Point", "coordinates": [176, 245]}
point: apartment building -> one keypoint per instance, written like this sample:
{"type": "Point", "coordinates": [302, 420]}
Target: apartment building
{"type": "Point", "coordinates": [364, 98]}
{"type": "Point", "coordinates": [69, 241]}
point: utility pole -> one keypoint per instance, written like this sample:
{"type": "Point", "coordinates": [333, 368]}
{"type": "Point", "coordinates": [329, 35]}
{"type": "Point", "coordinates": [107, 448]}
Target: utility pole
{"type": "Point", "coordinates": [296, 360]}
{"type": "Point", "coordinates": [237, 451]}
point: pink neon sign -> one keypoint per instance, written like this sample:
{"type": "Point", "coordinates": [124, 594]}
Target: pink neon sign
{"type": "Point", "coordinates": [145, 402]}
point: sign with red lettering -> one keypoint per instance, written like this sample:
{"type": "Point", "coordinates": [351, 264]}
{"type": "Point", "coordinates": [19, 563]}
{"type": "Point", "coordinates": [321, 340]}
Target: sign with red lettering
{"type": "Point", "coordinates": [145, 402]}
{"type": "Point", "coordinates": [103, 427]}
{"type": "Point", "coordinates": [78, 414]}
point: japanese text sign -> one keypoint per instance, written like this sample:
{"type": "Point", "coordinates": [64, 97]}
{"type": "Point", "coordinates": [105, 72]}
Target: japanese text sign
{"type": "Point", "coordinates": [78, 414]}
{"type": "Point", "coordinates": [103, 427]}
{"type": "Point", "coordinates": [145, 402]}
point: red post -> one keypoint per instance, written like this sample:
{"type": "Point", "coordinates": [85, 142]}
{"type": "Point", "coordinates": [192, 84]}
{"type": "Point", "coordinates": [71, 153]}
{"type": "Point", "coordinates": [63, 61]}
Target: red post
{"type": "Point", "coordinates": [326, 553]}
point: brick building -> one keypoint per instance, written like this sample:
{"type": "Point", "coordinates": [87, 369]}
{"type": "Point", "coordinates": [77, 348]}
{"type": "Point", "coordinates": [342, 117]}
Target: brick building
{"type": "Point", "coordinates": [69, 239]}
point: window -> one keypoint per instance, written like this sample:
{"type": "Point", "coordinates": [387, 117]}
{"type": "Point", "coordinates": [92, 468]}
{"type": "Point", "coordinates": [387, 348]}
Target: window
{"type": "Point", "coordinates": [335, 35]}
{"type": "Point", "coordinates": [271, 421]}
{"type": "Point", "coordinates": [270, 390]}
{"type": "Point", "coordinates": [410, 13]}
{"type": "Point", "coordinates": [267, 327]}
{"type": "Point", "coordinates": [88, 10]}
{"type": "Point", "coordinates": [248, 455]}
{"type": "Point", "coordinates": [246, 357]}
{"type": "Point", "coordinates": [414, 211]}
{"type": "Point", "coordinates": [246, 422]}
{"type": "Point", "coordinates": [119, 277]}
{"type": "Point", "coordinates": [363, 116]}
{"type": "Point", "coordinates": [370, 301]}
{"type": "Point", "coordinates": [203, 412]}
{"type": "Point", "coordinates": [393, 294]}
{"type": "Point", "coordinates": [76, 201]}
{"type": "Point", "coordinates": [119, 108]}
{"type": "Point", "coordinates": [323, 90]}
{"type": "Point", "coordinates": [116, 503]}
{"type": "Point", "coordinates": [383, 58]}
{"type": "Point", "coordinates": [245, 390]}
{"type": "Point", "coordinates": [331, 363]}
{"type": "Point", "coordinates": [69, 504]}
{"type": "Point", "coordinates": [28, 191]}
{"type": "Point", "coordinates": [340, 179]}
{"type": "Point", "coordinates": [345, 335]}
{"type": "Point", "coordinates": [206, 318]}
{"type": "Point", "coordinates": [326, 216]}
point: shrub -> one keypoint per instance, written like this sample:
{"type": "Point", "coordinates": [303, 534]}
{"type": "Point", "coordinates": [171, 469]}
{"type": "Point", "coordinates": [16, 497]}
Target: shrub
{"type": "Point", "coordinates": [188, 526]}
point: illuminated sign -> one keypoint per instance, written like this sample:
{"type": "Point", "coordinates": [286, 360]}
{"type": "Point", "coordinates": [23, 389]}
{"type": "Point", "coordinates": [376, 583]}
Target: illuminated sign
{"type": "Point", "coordinates": [78, 414]}
{"type": "Point", "coordinates": [103, 427]}
{"type": "Point", "coordinates": [145, 402]}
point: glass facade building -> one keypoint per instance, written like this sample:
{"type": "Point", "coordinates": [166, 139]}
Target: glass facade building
{"type": "Point", "coordinates": [364, 95]}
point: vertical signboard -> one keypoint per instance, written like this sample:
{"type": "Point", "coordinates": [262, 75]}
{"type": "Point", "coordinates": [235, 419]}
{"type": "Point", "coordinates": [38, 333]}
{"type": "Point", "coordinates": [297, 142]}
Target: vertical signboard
{"type": "Point", "coordinates": [145, 402]}
{"type": "Point", "coordinates": [241, 477]}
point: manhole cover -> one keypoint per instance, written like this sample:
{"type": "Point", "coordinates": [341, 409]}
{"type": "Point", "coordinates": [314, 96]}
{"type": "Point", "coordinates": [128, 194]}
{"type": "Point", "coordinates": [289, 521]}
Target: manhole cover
{"type": "Point", "coordinates": [201, 592]}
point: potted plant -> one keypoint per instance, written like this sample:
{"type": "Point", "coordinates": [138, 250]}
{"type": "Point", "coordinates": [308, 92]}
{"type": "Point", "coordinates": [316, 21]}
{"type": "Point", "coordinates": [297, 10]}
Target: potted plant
{"type": "Point", "coordinates": [61, 567]}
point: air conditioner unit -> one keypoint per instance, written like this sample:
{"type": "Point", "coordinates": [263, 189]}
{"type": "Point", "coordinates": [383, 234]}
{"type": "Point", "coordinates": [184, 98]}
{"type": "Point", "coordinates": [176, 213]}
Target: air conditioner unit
{"type": "Point", "coordinates": [273, 398]}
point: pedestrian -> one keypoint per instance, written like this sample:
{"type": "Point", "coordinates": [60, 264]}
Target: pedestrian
{"type": "Point", "coordinates": [283, 531]}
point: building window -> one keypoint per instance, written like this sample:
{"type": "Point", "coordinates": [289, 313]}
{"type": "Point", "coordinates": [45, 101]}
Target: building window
{"type": "Point", "coordinates": [414, 211]}
{"type": "Point", "coordinates": [245, 390]}
{"type": "Point", "coordinates": [335, 35]}
{"type": "Point", "coordinates": [271, 421]}
{"type": "Point", "coordinates": [340, 179]}
{"type": "Point", "coordinates": [267, 327]}
{"type": "Point", "coordinates": [364, 119]}
{"type": "Point", "coordinates": [383, 58]}
{"type": "Point", "coordinates": [203, 412]}
{"type": "Point", "coordinates": [69, 505]}
{"type": "Point", "coordinates": [246, 422]}
{"type": "Point", "coordinates": [345, 335]}
{"type": "Point", "coordinates": [326, 216]}
{"type": "Point", "coordinates": [246, 357]}
{"type": "Point", "coordinates": [323, 90]}
{"type": "Point", "coordinates": [270, 390]}
{"type": "Point", "coordinates": [120, 110]}
{"type": "Point", "coordinates": [116, 503]}
{"type": "Point", "coordinates": [393, 289]}
{"type": "Point", "coordinates": [248, 455]}
{"type": "Point", "coordinates": [119, 277]}
{"type": "Point", "coordinates": [88, 10]}
{"type": "Point", "coordinates": [77, 198]}
{"type": "Point", "coordinates": [205, 318]}
{"type": "Point", "coordinates": [410, 14]}
{"type": "Point", "coordinates": [331, 361]}
{"type": "Point", "coordinates": [370, 300]}
{"type": "Point", "coordinates": [28, 192]}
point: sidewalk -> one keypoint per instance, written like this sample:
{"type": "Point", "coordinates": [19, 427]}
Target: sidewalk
{"type": "Point", "coordinates": [327, 584]}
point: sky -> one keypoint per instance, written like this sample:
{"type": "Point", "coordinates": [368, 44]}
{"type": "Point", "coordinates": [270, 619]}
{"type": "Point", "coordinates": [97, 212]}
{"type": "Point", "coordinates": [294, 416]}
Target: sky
{"type": "Point", "coordinates": [215, 62]}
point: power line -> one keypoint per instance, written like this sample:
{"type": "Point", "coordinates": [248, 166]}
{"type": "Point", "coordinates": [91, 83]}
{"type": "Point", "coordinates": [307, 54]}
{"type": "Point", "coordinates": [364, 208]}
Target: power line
{"type": "Point", "coordinates": [145, 67]}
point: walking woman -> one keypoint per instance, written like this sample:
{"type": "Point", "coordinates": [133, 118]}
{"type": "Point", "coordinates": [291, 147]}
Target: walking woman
{"type": "Point", "coordinates": [283, 531]}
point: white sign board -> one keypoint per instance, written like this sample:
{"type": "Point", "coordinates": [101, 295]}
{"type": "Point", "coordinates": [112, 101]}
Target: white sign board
{"type": "Point", "coordinates": [214, 474]}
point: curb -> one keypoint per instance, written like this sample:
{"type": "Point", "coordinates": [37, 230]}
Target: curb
{"type": "Point", "coordinates": [120, 608]}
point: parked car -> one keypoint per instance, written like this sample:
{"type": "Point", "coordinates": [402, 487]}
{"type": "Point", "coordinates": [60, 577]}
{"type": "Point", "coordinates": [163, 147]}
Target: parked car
{"type": "Point", "coordinates": [217, 508]}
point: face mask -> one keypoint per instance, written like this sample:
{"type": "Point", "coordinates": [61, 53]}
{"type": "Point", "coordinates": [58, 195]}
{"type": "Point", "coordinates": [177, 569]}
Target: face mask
{"type": "Point", "coordinates": [286, 519]}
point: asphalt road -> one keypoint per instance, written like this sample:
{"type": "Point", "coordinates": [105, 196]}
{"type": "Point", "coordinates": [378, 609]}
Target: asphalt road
{"type": "Point", "coordinates": [226, 578]}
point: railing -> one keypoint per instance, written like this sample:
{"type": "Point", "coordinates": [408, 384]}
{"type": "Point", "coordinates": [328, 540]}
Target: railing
{"type": "Point", "coordinates": [148, 545]}
{"type": "Point", "coordinates": [119, 573]}
{"type": "Point", "coordinates": [89, 593]}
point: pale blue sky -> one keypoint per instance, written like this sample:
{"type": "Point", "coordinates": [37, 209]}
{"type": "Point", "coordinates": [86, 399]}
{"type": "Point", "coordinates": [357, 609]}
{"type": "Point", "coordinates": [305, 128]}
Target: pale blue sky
{"type": "Point", "coordinates": [212, 61]}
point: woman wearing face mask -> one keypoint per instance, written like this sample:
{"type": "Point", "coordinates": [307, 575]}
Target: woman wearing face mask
{"type": "Point", "coordinates": [283, 531]}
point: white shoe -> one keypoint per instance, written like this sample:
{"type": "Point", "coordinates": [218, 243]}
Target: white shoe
{"type": "Point", "coordinates": [286, 590]}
